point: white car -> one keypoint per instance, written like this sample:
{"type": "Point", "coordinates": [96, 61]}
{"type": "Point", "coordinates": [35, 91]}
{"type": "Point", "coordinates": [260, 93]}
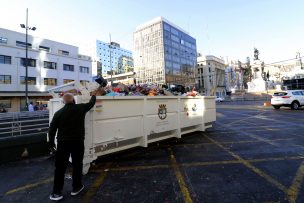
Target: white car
{"type": "Point", "coordinates": [218, 99]}
{"type": "Point", "coordinates": [289, 98]}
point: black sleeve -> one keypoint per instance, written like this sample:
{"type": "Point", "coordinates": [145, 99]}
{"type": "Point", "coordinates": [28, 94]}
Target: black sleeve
{"type": "Point", "coordinates": [90, 104]}
{"type": "Point", "coordinates": [53, 128]}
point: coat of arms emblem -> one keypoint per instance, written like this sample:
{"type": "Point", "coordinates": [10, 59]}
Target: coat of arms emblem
{"type": "Point", "coordinates": [194, 108]}
{"type": "Point", "coordinates": [162, 111]}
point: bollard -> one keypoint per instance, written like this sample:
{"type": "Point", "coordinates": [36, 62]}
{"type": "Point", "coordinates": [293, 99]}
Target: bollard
{"type": "Point", "coordinates": [267, 103]}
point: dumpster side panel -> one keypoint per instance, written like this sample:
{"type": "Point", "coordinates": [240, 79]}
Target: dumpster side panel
{"type": "Point", "coordinates": [191, 112]}
{"type": "Point", "coordinates": [157, 125]}
{"type": "Point", "coordinates": [111, 130]}
{"type": "Point", "coordinates": [53, 106]}
{"type": "Point", "coordinates": [210, 110]}
{"type": "Point", "coordinates": [117, 108]}
{"type": "Point", "coordinates": [161, 118]}
{"type": "Point", "coordinates": [89, 155]}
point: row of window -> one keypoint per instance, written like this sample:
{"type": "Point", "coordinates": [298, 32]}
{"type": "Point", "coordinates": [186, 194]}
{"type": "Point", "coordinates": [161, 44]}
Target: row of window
{"type": "Point", "coordinates": [4, 40]}
{"type": "Point", "coordinates": [7, 79]}
{"type": "Point", "coordinates": [46, 64]}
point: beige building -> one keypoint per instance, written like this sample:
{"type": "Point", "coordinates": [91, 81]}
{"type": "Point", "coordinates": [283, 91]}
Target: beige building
{"type": "Point", "coordinates": [210, 74]}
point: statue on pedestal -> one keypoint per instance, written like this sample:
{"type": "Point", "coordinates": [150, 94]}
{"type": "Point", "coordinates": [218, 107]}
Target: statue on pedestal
{"type": "Point", "coordinates": [256, 54]}
{"type": "Point", "coordinates": [258, 83]}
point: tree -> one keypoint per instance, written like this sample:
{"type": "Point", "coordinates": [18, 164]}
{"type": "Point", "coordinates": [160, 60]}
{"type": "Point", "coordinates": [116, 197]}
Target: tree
{"type": "Point", "coordinates": [247, 73]}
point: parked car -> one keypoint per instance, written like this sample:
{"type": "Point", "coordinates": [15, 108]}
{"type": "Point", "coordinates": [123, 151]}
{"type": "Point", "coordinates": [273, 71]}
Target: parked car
{"type": "Point", "coordinates": [218, 99]}
{"type": "Point", "coordinates": [289, 98]}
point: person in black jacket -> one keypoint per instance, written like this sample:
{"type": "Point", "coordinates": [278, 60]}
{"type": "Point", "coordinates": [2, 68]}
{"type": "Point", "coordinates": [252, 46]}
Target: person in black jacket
{"type": "Point", "coordinates": [69, 121]}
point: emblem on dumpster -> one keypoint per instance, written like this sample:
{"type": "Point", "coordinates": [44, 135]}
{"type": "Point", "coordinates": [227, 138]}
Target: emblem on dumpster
{"type": "Point", "coordinates": [162, 111]}
{"type": "Point", "coordinates": [194, 108]}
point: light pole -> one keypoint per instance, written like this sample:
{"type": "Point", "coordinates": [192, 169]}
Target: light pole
{"type": "Point", "coordinates": [26, 27]}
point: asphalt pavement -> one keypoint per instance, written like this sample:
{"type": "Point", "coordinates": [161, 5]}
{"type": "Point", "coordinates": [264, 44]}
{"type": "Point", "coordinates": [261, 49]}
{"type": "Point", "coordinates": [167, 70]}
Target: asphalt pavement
{"type": "Point", "coordinates": [251, 154]}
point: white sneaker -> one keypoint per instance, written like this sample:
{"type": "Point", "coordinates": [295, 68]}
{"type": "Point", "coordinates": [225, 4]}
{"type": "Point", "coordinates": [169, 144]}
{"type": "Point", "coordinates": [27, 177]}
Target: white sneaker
{"type": "Point", "coordinates": [77, 191]}
{"type": "Point", "coordinates": [56, 197]}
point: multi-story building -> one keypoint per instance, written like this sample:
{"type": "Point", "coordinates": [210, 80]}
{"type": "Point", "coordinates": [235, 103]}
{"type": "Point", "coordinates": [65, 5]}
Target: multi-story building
{"type": "Point", "coordinates": [164, 54]}
{"type": "Point", "coordinates": [112, 57]}
{"type": "Point", "coordinates": [211, 75]}
{"type": "Point", "coordinates": [50, 64]}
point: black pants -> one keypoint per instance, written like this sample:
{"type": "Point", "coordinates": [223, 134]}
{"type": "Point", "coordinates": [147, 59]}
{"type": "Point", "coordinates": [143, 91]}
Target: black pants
{"type": "Point", "coordinates": [64, 150]}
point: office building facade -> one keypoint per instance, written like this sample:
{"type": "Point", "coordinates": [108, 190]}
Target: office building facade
{"type": "Point", "coordinates": [211, 75]}
{"type": "Point", "coordinates": [164, 54]}
{"type": "Point", "coordinates": [50, 64]}
{"type": "Point", "coordinates": [112, 57]}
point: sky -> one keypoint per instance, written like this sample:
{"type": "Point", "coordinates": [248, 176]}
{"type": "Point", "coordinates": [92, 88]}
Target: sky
{"type": "Point", "coordinates": [224, 28]}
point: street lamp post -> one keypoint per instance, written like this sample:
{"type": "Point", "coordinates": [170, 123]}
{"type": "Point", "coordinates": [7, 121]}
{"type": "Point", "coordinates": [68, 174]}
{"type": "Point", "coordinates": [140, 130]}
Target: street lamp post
{"type": "Point", "coordinates": [26, 27]}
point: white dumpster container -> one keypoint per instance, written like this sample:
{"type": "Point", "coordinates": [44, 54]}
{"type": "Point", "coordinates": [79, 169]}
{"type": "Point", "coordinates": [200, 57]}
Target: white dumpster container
{"type": "Point", "coordinates": [119, 123]}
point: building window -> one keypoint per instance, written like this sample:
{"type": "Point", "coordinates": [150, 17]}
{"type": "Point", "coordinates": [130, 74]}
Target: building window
{"type": "Point", "coordinates": [43, 48]}
{"type": "Point", "coordinates": [3, 40]}
{"type": "Point", "coordinates": [174, 31]}
{"type": "Point", "coordinates": [62, 52]}
{"type": "Point", "coordinates": [30, 62]}
{"type": "Point", "coordinates": [5, 59]}
{"type": "Point", "coordinates": [65, 81]}
{"type": "Point", "coordinates": [50, 81]}
{"type": "Point", "coordinates": [5, 104]}
{"type": "Point", "coordinates": [5, 79]}
{"type": "Point", "coordinates": [23, 44]}
{"type": "Point", "coordinates": [83, 82]}
{"type": "Point", "coordinates": [30, 80]}
{"type": "Point", "coordinates": [84, 69]}
{"type": "Point", "coordinates": [166, 27]}
{"type": "Point", "coordinates": [68, 67]}
{"type": "Point", "coordinates": [50, 65]}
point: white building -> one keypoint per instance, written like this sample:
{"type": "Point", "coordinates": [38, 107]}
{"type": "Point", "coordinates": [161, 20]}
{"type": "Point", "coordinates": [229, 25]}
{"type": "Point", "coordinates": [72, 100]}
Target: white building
{"type": "Point", "coordinates": [50, 64]}
{"type": "Point", "coordinates": [211, 75]}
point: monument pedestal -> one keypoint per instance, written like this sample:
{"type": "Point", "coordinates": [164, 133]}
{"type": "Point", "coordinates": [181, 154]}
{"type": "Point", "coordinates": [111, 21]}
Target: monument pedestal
{"type": "Point", "coordinates": [257, 84]}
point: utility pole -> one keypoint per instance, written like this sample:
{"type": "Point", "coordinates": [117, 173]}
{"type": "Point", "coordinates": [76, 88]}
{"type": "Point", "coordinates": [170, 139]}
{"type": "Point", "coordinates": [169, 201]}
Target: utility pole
{"type": "Point", "coordinates": [26, 61]}
{"type": "Point", "coordinates": [26, 56]}
{"type": "Point", "coordinates": [299, 56]}
{"type": "Point", "coordinates": [110, 46]}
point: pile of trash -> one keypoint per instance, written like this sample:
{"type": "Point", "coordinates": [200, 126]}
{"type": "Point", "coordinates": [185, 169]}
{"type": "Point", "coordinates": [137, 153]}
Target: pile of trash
{"type": "Point", "coordinates": [119, 89]}
{"type": "Point", "coordinates": [144, 90]}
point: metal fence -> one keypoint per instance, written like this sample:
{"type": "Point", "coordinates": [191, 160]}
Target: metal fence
{"type": "Point", "coordinates": [23, 123]}
{"type": "Point", "coordinates": [259, 98]}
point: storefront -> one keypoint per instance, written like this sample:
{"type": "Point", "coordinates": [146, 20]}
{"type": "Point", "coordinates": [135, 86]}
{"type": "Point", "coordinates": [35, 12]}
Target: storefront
{"type": "Point", "coordinates": [15, 102]}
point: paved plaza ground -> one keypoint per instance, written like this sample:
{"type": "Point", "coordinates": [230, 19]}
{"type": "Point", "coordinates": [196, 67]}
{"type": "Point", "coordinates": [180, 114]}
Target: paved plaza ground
{"type": "Point", "coordinates": [251, 154]}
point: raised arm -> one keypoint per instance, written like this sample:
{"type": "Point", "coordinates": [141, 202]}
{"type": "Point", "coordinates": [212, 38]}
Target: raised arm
{"type": "Point", "coordinates": [91, 103]}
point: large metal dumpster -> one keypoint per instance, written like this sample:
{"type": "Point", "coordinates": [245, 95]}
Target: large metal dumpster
{"type": "Point", "coordinates": [118, 123]}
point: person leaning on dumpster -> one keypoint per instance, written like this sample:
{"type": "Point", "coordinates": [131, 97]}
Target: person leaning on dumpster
{"type": "Point", "coordinates": [69, 121]}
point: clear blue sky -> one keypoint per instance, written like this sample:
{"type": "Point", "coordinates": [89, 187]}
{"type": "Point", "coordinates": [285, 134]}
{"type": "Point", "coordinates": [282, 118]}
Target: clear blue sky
{"type": "Point", "coordinates": [221, 27]}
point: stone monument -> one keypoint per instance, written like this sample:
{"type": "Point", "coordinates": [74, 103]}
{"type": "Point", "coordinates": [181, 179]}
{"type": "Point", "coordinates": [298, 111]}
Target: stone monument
{"type": "Point", "coordinates": [257, 84]}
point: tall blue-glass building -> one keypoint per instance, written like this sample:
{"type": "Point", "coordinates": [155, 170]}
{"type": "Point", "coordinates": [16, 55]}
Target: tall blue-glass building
{"type": "Point", "coordinates": [112, 57]}
{"type": "Point", "coordinates": [164, 53]}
